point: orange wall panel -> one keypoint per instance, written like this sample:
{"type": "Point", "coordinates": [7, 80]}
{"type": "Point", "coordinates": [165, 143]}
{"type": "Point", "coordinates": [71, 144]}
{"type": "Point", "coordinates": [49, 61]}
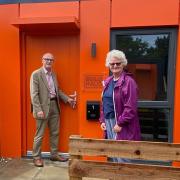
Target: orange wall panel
{"type": "Point", "coordinates": [10, 104]}
{"type": "Point", "coordinates": [95, 25]}
{"type": "Point", "coordinates": [53, 9]}
{"type": "Point", "coordinates": [176, 129]}
{"type": "Point", "coordinates": [128, 13]}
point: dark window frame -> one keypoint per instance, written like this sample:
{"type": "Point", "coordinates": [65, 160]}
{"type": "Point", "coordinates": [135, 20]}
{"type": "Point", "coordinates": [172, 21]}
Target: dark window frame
{"type": "Point", "coordinates": [169, 103]}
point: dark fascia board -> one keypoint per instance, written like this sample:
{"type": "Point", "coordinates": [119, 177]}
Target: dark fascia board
{"type": "Point", "coordinates": [32, 1]}
{"type": "Point", "coordinates": [39, 1]}
{"type": "Point", "coordinates": [9, 1]}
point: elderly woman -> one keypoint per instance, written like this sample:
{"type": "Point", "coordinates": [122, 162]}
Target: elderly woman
{"type": "Point", "coordinates": [119, 117]}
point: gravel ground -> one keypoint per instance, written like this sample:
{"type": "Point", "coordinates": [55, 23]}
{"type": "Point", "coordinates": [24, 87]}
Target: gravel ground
{"type": "Point", "coordinates": [4, 161]}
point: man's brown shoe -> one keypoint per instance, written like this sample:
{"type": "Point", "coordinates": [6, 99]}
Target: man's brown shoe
{"type": "Point", "coordinates": [58, 158]}
{"type": "Point", "coordinates": [38, 162]}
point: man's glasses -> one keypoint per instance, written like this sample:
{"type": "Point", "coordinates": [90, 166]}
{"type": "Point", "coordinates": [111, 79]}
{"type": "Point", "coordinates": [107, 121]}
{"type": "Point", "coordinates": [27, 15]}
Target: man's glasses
{"type": "Point", "coordinates": [48, 59]}
{"type": "Point", "coordinates": [117, 64]}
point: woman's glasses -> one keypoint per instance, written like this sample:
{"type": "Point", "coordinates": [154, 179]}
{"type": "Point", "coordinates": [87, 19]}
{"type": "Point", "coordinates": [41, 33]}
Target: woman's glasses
{"type": "Point", "coordinates": [117, 64]}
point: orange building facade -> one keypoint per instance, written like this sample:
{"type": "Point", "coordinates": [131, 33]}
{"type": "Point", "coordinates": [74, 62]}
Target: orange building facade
{"type": "Point", "coordinates": [79, 33]}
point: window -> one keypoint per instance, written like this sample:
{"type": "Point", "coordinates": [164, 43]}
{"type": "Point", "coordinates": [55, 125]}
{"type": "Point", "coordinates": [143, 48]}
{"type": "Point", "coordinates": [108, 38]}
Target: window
{"type": "Point", "coordinates": [151, 59]}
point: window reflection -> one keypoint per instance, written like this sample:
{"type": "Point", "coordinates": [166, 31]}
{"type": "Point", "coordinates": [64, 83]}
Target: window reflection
{"type": "Point", "coordinates": [144, 46]}
{"type": "Point", "coordinates": [152, 82]}
{"type": "Point", "coordinates": [148, 60]}
{"type": "Point", "coordinates": [154, 124]}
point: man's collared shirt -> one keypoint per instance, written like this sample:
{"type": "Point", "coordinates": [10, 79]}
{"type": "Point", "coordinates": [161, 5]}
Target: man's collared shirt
{"type": "Point", "coordinates": [50, 81]}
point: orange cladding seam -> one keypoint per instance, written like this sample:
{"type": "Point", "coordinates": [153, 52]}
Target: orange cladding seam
{"type": "Point", "coordinates": [10, 111]}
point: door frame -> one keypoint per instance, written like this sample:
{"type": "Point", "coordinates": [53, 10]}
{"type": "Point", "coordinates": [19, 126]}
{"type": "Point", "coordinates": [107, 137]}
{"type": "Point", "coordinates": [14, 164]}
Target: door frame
{"type": "Point", "coordinates": [24, 89]}
{"type": "Point", "coordinates": [23, 92]}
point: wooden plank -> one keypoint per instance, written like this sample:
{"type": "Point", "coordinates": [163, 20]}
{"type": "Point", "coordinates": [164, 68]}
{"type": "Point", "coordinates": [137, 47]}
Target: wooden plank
{"type": "Point", "coordinates": [75, 178]}
{"type": "Point", "coordinates": [75, 157]}
{"type": "Point", "coordinates": [126, 149]}
{"type": "Point", "coordinates": [122, 171]}
{"type": "Point", "coordinates": [73, 136]}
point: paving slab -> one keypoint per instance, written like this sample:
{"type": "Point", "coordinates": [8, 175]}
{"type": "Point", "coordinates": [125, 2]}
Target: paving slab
{"type": "Point", "coordinates": [24, 169]}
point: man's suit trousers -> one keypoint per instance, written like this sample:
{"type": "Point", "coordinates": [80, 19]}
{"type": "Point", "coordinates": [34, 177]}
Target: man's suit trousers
{"type": "Point", "coordinates": [53, 124]}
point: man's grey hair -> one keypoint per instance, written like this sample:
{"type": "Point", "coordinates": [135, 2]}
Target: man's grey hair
{"type": "Point", "coordinates": [117, 54]}
{"type": "Point", "coordinates": [48, 55]}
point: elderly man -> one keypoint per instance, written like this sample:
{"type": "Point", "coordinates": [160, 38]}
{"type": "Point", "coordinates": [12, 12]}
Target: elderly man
{"type": "Point", "coordinates": [45, 97]}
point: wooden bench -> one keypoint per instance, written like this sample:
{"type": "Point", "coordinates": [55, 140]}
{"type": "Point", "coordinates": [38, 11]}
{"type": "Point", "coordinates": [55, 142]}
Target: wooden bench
{"type": "Point", "coordinates": [78, 167]}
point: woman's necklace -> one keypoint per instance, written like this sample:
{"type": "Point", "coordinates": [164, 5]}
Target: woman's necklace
{"type": "Point", "coordinates": [115, 79]}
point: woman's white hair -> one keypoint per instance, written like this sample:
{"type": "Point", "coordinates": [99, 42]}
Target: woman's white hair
{"type": "Point", "coordinates": [117, 54]}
